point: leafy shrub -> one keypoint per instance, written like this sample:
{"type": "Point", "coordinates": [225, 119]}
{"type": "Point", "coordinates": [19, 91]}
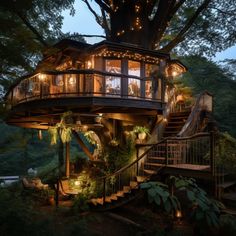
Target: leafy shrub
{"type": "Point", "coordinates": [158, 193]}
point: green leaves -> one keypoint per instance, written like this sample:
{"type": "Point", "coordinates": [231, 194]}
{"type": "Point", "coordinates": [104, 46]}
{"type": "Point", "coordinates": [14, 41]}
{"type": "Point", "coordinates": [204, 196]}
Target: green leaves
{"type": "Point", "coordinates": [159, 195]}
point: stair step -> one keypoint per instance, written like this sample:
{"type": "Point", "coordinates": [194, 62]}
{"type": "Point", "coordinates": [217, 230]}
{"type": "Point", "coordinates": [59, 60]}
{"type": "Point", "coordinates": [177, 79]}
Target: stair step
{"type": "Point", "coordinates": [141, 179]}
{"type": "Point", "coordinates": [150, 172]}
{"type": "Point", "coordinates": [157, 158]}
{"type": "Point", "coordinates": [153, 164]}
{"type": "Point", "coordinates": [226, 184]}
{"type": "Point", "coordinates": [114, 197]}
{"type": "Point", "coordinates": [229, 196]}
{"type": "Point", "coordinates": [163, 158]}
{"type": "Point", "coordinates": [133, 184]}
{"type": "Point", "coordinates": [173, 128]}
{"type": "Point", "coordinates": [120, 194]}
{"type": "Point", "coordinates": [127, 189]}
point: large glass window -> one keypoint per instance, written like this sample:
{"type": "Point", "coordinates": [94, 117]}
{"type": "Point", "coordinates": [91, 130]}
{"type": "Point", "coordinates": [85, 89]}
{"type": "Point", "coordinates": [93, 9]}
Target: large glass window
{"type": "Point", "coordinates": [134, 87]}
{"type": "Point", "coordinates": [113, 85]}
{"type": "Point", "coordinates": [134, 68]}
{"type": "Point", "coordinates": [113, 66]}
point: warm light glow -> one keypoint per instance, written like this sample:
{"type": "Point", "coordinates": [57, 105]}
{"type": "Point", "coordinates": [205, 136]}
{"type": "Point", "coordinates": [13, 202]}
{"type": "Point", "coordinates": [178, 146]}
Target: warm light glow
{"type": "Point", "coordinates": [165, 120]}
{"type": "Point", "coordinates": [174, 73]}
{"type": "Point", "coordinates": [178, 214]}
{"type": "Point", "coordinates": [40, 136]}
{"type": "Point", "coordinates": [77, 183]}
{"type": "Point", "coordinates": [84, 128]}
{"type": "Point", "coordinates": [89, 64]}
{"type": "Point", "coordinates": [71, 80]}
{"type": "Point", "coordinates": [41, 76]}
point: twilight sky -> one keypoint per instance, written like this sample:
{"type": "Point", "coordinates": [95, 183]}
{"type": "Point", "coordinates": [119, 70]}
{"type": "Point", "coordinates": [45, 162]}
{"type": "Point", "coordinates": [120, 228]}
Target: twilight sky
{"type": "Point", "coordinates": [84, 23]}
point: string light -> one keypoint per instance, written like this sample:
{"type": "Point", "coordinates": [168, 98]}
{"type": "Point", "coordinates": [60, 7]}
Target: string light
{"type": "Point", "coordinates": [129, 55]}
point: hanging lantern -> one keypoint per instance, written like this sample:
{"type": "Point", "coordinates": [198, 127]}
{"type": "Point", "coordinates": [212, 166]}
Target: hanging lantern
{"type": "Point", "coordinates": [40, 135]}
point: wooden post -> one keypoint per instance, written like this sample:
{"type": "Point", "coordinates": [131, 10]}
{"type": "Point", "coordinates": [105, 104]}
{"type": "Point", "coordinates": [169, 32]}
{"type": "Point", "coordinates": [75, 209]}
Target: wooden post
{"type": "Point", "coordinates": [104, 190]}
{"type": "Point", "coordinates": [57, 193]}
{"type": "Point", "coordinates": [166, 152]}
{"type": "Point", "coordinates": [137, 155]}
{"type": "Point", "coordinates": [67, 166]}
{"type": "Point", "coordinates": [212, 154]}
{"type": "Point", "coordinates": [83, 146]}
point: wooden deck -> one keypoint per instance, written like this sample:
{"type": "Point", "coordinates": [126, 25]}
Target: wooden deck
{"type": "Point", "coordinates": [189, 170]}
{"type": "Point", "coordinates": [191, 167]}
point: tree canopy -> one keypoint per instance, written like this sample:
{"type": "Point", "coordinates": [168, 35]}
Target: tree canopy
{"type": "Point", "coordinates": [27, 28]}
{"type": "Point", "coordinates": [203, 75]}
{"type": "Point", "coordinates": [196, 26]}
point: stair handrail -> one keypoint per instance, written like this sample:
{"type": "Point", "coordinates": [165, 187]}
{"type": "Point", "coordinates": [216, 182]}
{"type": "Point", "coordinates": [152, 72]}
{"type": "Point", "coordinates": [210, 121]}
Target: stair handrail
{"type": "Point", "coordinates": [132, 163]}
{"type": "Point", "coordinates": [192, 122]}
{"type": "Point", "coordinates": [151, 145]}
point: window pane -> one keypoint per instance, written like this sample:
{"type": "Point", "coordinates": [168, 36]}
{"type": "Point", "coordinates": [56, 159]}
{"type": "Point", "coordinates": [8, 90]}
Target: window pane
{"type": "Point", "coordinates": [113, 66]}
{"type": "Point", "coordinates": [151, 69]}
{"type": "Point", "coordinates": [134, 68]}
{"type": "Point", "coordinates": [71, 84]}
{"type": "Point", "coordinates": [113, 85]}
{"type": "Point", "coordinates": [98, 84]}
{"type": "Point", "coordinates": [148, 89]}
{"type": "Point", "coordinates": [134, 87]}
{"type": "Point", "coordinates": [57, 84]}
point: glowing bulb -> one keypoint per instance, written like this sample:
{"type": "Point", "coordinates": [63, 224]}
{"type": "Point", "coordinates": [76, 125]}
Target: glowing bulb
{"type": "Point", "coordinates": [174, 73]}
{"type": "Point", "coordinates": [89, 64]}
{"type": "Point", "coordinates": [41, 76]}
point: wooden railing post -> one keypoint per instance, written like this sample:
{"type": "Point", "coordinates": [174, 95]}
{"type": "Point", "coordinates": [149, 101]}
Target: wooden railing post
{"type": "Point", "coordinates": [166, 151]}
{"type": "Point", "coordinates": [212, 153]}
{"type": "Point", "coordinates": [137, 155]}
{"type": "Point", "coordinates": [104, 190]}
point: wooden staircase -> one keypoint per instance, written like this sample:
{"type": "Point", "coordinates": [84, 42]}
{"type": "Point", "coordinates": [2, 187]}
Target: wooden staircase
{"type": "Point", "coordinates": [123, 196]}
{"type": "Point", "coordinates": [172, 152]}
{"type": "Point", "coordinates": [157, 159]}
{"type": "Point", "coordinates": [175, 123]}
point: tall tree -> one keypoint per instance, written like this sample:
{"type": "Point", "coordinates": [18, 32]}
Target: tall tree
{"type": "Point", "coordinates": [27, 28]}
{"type": "Point", "coordinates": [202, 26]}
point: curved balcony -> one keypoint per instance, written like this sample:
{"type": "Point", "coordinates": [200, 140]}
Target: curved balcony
{"type": "Point", "coordinates": [86, 89]}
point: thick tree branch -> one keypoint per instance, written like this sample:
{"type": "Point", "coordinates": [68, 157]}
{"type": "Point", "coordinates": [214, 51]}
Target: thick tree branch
{"type": "Point", "coordinates": [36, 33]}
{"type": "Point", "coordinates": [104, 6]}
{"type": "Point", "coordinates": [230, 13]}
{"type": "Point", "coordinates": [160, 20]}
{"type": "Point", "coordinates": [105, 24]}
{"type": "Point", "coordinates": [92, 35]}
{"type": "Point", "coordinates": [93, 12]}
{"type": "Point", "coordinates": [180, 36]}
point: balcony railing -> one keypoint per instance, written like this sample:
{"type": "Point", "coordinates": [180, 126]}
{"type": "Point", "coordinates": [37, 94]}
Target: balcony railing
{"type": "Point", "coordinates": [84, 83]}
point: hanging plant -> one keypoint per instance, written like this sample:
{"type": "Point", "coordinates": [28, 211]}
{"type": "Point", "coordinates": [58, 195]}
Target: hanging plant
{"type": "Point", "coordinates": [65, 134]}
{"type": "Point", "coordinates": [53, 135]}
{"type": "Point", "coordinates": [62, 128]}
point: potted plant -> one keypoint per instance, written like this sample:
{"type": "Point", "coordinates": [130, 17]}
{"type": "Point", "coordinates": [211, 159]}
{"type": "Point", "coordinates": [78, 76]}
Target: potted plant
{"type": "Point", "coordinates": [141, 131]}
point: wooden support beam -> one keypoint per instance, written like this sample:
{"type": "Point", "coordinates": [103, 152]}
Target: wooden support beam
{"type": "Point", "coordinates": [67, 164]}
{"type": "Point", "coordinates": [82, 145]}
